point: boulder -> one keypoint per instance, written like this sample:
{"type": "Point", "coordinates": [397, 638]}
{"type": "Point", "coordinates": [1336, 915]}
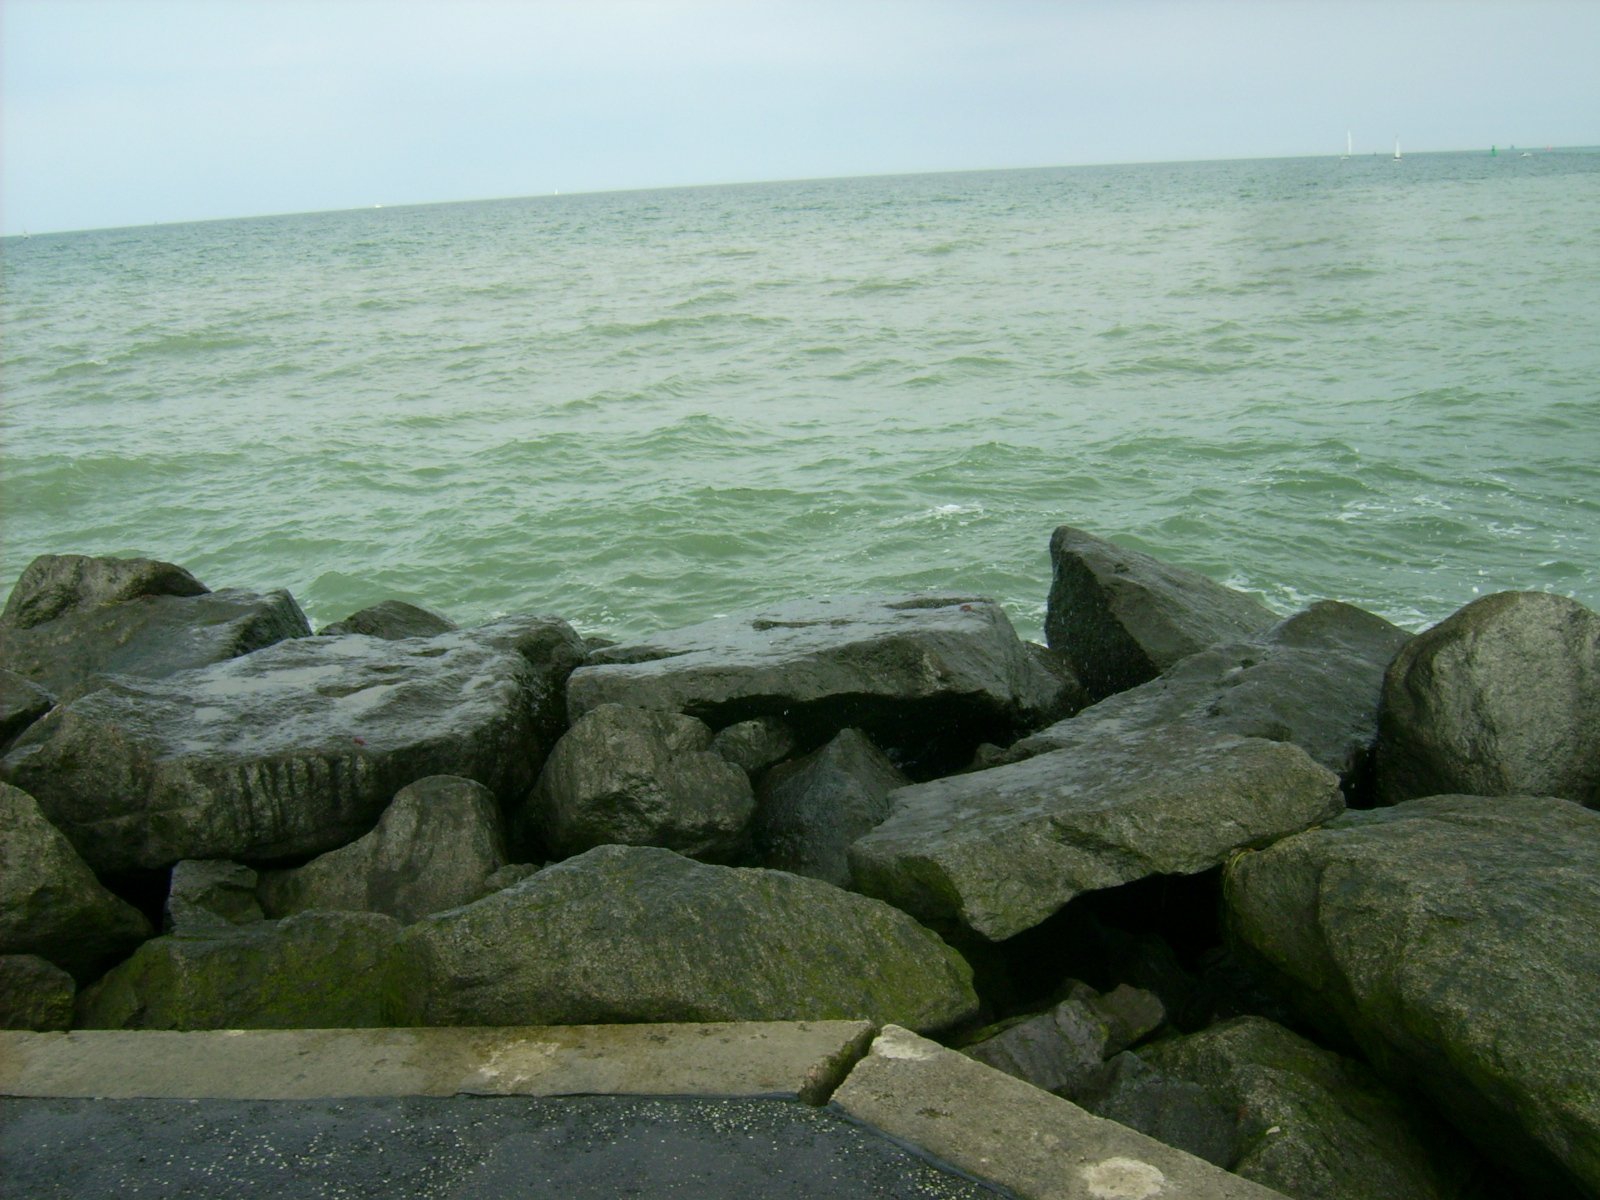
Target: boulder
{"type": "Point", "coordinates": [1064, 1049]}
{"type": "Point", "coordinates": [1124, 617]}
{"type": "Point", "coordinates": [391, 619]}
{"type": "Point", "coordinates": [928, 676]}
{"type": "Point", "coordinates": [809, 811]}
{"type": "Point", "coordinates": [149, 637]}
{"type": "Point", "coordinates": [293, 750]}
{"type": "Point", "coordinates": [1500, 699]}
{"type": "Point", "coordinates": [634, 777]}
{"type": "Point", "coordinates": [1314, 680]}
{"type": "Point", "coordinates": [315, 970]}
{"type": "Point", "coordinates": [22, 702]}
{"type": "Point", "coordinates": [1000, 850]}
{"type": "Point", "coordinates": [1312, 1124]}
{"type": "Point", "coordinates": [51, 904]}
{"type": "Point", "coordinates": [627, 934]}
{"type": "Point", "coordinates": [432, 849]}
{"type": "Point", "coordinates": [34, 994]}
{"type": "Point", "coordinates": [54, 585]}
{"type": "Point", "coordinates": [207, 893]}
{"type": "Point", "coordinates": [1174, 1111]}
{"type": "Point", "coordinates": [756, 744]}
{"type": "Point", "coordinates": [1452, 939]}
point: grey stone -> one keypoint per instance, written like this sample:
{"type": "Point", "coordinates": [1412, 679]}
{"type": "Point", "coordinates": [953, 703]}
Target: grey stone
{"type": "Point", "coordinates": [432, 849]}
{"type": "Point", "coordinates": [209, 893]}
{"type": "Point", "coordinates": [293, 750]}
{"type": "Point", "coordinates": [1124, 617]}
{"type": "Point", "coordinates": [22, 702]}
{"type": "Point", "coordinates": [149, 637]}
{"type": "Point", "coordinates": [1314, 680]}
{"type": "Point", "coordinates": [630, 776]}
{"type": "Point", "coordinates": [1452, 939]}
{"type": "Point", "coordinates": [54, 585]}
{"type": "Point", "coordinates": [314, 970]}
{"type": "Point", "coordinates": [756, 744]}
{"type": "Point", "coordinates": [392, 619]}
{"type": "Point", "coordinates": [1502, 698]}
{"type": "Point", "coordinates": [1174, 1111]}
{"type": "Point", "coordinates": [506, 876]}
{"type": "Point", "coordinates": [34, 993]}
{"type": "Point", "coordinates": [629, 934]}
{"type": "Point", "coordinates": [809, 811]}
{"type": "Point", "coordinates": [1312, 1124]}
{"type": "Point", "coordinates": [927, 676]}
{"type": "Point", "coordinates": [1000, 850]}
{"type": "Point", "coordinates": [51, 904]}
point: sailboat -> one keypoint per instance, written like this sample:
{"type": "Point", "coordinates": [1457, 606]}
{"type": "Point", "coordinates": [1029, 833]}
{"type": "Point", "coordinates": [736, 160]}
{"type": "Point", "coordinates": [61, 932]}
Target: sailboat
{"type": "Point", "coordinates": [1397, 149]}
{"type": "Point", "coordinates": [1347, 143]}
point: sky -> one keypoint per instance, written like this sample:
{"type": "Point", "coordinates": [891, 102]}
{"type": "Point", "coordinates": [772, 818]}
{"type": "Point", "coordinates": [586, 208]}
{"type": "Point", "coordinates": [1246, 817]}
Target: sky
{"type": "Point", "coordinates": [126, 112]}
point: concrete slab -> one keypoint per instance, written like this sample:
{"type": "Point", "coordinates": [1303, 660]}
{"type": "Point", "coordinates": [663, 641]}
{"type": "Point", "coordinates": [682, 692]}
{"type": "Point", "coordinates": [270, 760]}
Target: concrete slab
{"type": "Point", "coordinates": [999, 1128]}
{"type": "Point", "coordinates": [804, 1060]}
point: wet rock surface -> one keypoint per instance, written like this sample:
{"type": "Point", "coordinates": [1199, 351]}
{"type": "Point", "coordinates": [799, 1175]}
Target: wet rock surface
{"type": "Point", "coordinates": [392, 620]}
{"type": "Point", "coordinates": [54, 585]}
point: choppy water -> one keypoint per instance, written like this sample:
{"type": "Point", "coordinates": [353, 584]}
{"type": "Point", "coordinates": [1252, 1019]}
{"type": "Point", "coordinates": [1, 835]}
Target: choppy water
{"type": "Point", "coordinates": [1362, 379]}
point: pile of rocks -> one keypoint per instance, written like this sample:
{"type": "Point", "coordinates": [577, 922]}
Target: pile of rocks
{"type": "Point", "coordinates": [1311, 897]}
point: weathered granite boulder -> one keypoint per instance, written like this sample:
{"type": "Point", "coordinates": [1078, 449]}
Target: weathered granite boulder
{"type": "Point", "coordinates": [34, 994]}
{"type": "Point", "coordinates": [808, 811]}
{"type": "Point", "coordinates": [1311, 1123]}
{"type": "Point", "coordinates": [211, 893]}
{"type": "Point", "coordinates": [928, 676]}
{"type": "Point", "coordinates": [756, 744]}
{"type": "Point", "coordinates": [432, 849]}
{"type": "Point", "coordinates": [54, 585]}
{"type": "Point", "coordinates": [315, 970]}
{"type": "Point", "coordinates": [290, 751]}
{"type": "Point", "coordinates": [1124, 617]}
{"type": "Point", "coordinates": [636, 934]}
{"type": "Point", "coordinates": [630, 776]}
{"type": "Point", "coordinates": [1314, 680]}
{"type": "Point", "coordinates": [1000, 850]}
{"type": "Point", "coordinates": [22, 702]}
{"type": "Point", "coordinates": [1502, 698]}
{"type": "Point", "coordinates": [1452, 939]}
{"type": "Point", "coordinates": [51, 904]}
{"type": "Point", "coordinates": [1064, 1049]}
{"type": "Point", "coordinates": [392, 619]}
{"type": "Point", "coordinates": [1174, 1111]}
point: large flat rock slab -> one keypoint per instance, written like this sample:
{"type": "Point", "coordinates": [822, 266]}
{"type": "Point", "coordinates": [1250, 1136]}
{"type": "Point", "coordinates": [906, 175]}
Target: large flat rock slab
{"type": "Point", "coordinates": [999, 1128]}
{"type": "Point", "coordinates": [292, 750]}
{"type": "Point", "coordinates": [801, 1059]}
{"type": "Point", "coordinates": [918, 667]}
{"type": "Point", "coordinates": [1452, 938]}
{"type": "Point", "coordinates": [998, 851]}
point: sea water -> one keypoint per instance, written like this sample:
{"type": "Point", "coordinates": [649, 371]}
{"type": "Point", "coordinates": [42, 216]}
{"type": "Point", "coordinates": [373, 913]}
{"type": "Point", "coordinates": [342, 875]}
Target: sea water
{"type": "Point", "coordinates": [1364, 379]}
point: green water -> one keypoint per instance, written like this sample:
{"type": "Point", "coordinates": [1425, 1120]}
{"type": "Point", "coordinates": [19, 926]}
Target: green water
{"type": "Point", "coordinates": [1360, 379]}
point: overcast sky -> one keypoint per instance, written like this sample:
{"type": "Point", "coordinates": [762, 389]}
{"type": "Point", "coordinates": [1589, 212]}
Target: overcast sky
{"type": "Point", "coordinates": [122, 112]}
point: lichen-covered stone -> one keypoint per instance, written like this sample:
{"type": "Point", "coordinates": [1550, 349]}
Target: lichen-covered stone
{"type": "Point", "coordinates": [635, 934]}
{"type": "Point", "coordinates": [54, 585]}
{"type": "Point", "coordinates": [1452, 939]}
{"type": "Point", "coordinates": [315, 970]}
{"type": "Point", "coordinates": [755, 744]}
{"type": "Point", "coordinates": [34, 994]}
{"type": "Point", "coordinates": [209, 893]}
{"type": "Point", "coordinates": [22, 702]}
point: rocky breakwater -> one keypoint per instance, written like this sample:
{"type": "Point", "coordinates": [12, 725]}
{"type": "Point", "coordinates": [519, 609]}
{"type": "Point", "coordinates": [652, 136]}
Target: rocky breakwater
{"type": "Point", "coordinates": [1308, 896]}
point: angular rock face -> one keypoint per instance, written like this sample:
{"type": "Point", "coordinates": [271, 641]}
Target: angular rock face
{"type": "Point", "coordinates": [54, 585]}
{"type": "Point", "coordinates": [433, 848]}
{"type": "Point", "coordinates": [34, 994]}
{"type": "Point", "coordinates": [756, 744]}
{"type": "Point", "coordinates": [810, 810]}
{"type": "Point", "coordinates": [914, 672]}
{"type": "Point", "coordinates": [51, 904]}
{"type": "Point", "coordinates": [629, 776]}
{"type": "Point", "coordinates": [149, 637]}
{"type": "Point", "coordinates": [631, 934]}
{"type": "Point", "coordinates": [21, 704]}
{"type": "Point", "coordinates": [392, 619]}
{"type": "Point", "coordinates": [1502, 698]}
{"type": "Point", "coordinates": [1173, 1111]}
{"type": "Point", "coordinates": [317, 970]}
{"type": "Point", "coordinates": [1000, 850]}
{"type": "Point", "coordinates": [1452, 938]}
{"type": "Point", "coordinates": [1313, 680]}
{"type": "Point", "coordinates": [211, 894]}
{"type": "Point", "coordinates": [1124, 617]}
{"type": "Point", "coordinates": [293, 750]}
{"type": "Point", "coordinates": [1311, 1123]}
